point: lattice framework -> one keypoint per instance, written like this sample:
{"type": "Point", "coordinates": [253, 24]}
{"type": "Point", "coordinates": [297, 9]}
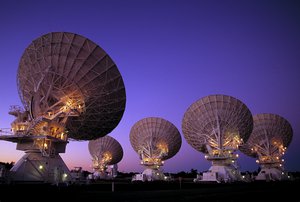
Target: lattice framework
{"type": "Point", "coordinates": [269, 140]}
{"type": "Point", "coordinates": [217, 125]}
{"type": "Point", "coordinates": [105, 151]}
{"type": "Point", "coordinates": [67, 75]}
{"type": "Point", "coordinates": [155, 139]}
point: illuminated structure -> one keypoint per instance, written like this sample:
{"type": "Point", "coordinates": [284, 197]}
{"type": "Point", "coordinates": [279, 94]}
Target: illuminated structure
{"type": "Point", "coordinates": [217, 125]}
{"type": "Point", "coordinates": [105, 151]}
{"type": "Point", "coordinates": [155, 140]}
{"type": "Point", "coordinates": [268, 142]}
{"type": "Point", "coordinates": [70, 88]}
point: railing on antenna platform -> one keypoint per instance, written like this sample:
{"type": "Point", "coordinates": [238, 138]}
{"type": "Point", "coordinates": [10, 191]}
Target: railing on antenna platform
{"type": "Point", "coordinates": [5, 131]}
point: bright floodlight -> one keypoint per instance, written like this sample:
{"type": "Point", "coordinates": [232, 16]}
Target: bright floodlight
{"type": "Point", "coordinates": [268, 142]}
{"type": "Point", "coordinates": [155, 140]}
{"type": "Point", "coordinates": [217, 125]}
{"type": "Point", "coordinates": [70, 88]}
{"type": "Point", "coordinates": [105, 151]}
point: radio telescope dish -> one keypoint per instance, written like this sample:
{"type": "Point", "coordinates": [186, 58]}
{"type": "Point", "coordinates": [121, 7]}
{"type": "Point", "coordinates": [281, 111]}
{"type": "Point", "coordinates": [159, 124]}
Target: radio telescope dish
{"type": "Point", "coordinates": [104, 151]}
{"type": "Point", "coordinates": [217, 125]}
{"type": "Point", "coordinates": [155, 140]}
{"type": "Point", "coordinates": [268, 142]}
{"type": "Point", "coordinates": [70, 88]}
{"type": "Point", "coordinates": [65, 74]}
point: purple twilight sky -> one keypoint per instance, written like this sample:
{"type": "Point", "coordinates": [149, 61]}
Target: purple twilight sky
{"type": "Point", "coordinates": [170, 54]}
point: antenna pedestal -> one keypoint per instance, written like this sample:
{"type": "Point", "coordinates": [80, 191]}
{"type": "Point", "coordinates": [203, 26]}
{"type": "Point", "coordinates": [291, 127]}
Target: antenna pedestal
{"type": "Point", "coordinates": [221, 174]}
{"type": "Point", "coordinates": [100, 175]}
{"type": "Point", "coordinates": [34, 167]}
{"type": "Point", "coordinates": [153, 174]}
{"type": "Point", "coordinates": [41, 162]}
{"type": "Point", "coordinates": [271, 172]}
{"type": "Point", "coordinates": [222, 170]}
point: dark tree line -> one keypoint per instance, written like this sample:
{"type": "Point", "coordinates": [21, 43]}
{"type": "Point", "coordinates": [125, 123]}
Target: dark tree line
{"type": "Point", "coordinates": [7, 165]}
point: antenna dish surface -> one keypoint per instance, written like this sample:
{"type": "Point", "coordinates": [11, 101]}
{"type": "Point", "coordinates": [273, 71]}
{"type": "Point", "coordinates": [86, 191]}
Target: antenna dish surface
{"type": "Point", "coordinates": [61, 72]}
{"type": "Point", "coordinates": [154, 136]}
{"type": "Point", "coordinates": [268, 129]}
{"type": "Point", "coordinates": [106, 146]}
{"type": "Point", "coordinates": [217, 122]}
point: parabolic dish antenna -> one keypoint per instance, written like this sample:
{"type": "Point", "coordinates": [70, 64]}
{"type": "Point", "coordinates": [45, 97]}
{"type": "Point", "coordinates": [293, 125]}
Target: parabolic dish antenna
{"type": "Point", "coordinates": [107, 149]}
{"type": "Point", "coordinates": [216, 125]}
{"type": "Point", "coordinates": [62, 72]}
{"type": "Point", "coordinates": [70, 88]}
{"type": "Point", "coordinates": [104, 151]}
{"type": "Point", "coordinates": [268, 142]}
{"type": "Point", "coordinates": [155, 140]}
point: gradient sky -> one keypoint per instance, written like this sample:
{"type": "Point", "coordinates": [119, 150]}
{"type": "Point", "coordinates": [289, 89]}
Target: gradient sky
{"type": "Point", "coordinates": [170, 54]}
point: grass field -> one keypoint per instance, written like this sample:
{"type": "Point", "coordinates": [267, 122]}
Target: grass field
{"type": "Point", "coordinates": [154, 191]}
